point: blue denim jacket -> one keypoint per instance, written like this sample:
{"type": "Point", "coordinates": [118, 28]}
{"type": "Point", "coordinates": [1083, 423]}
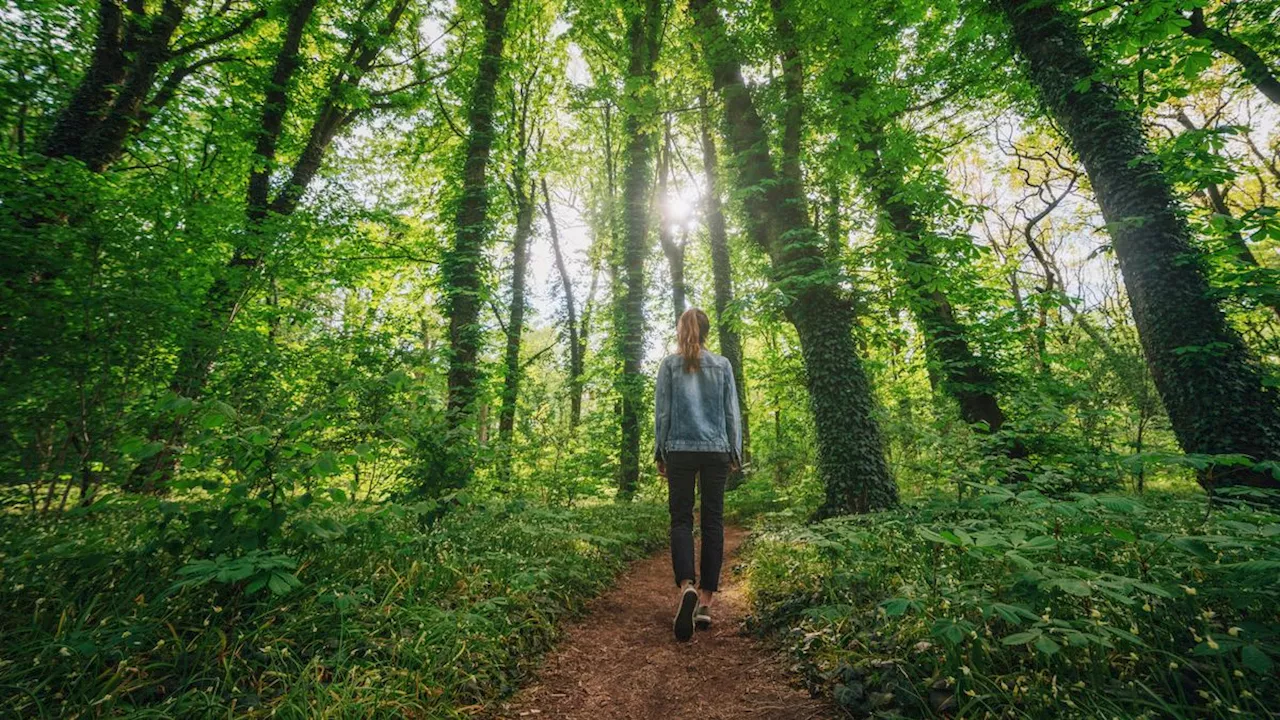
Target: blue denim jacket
{"type": "Point", "coordinates": [696, 411]}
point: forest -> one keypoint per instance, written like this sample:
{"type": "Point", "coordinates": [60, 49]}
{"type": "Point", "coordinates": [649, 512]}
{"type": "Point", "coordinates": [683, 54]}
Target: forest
{"type": "Point", "coordinates": [328, 331]}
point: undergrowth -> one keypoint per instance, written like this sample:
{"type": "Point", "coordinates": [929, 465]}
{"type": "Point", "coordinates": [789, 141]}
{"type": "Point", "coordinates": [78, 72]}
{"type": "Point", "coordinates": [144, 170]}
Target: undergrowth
{"type": "Point", "coordinates": [1013, 604]}
{"type": "Point", "coordinates": [359, 612]}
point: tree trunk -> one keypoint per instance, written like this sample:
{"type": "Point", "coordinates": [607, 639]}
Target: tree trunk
{"type": "Point", "coordinates": [1255, 68]}
{"type": "Point", "coordinates": [515, 323]}
{"type": "Point", "coordinates": [673, 250]}
{"type": "Point", "coordinates": [851, 460]}
{"type": "Point", "coordinates": [461, 266]}
{"type": "Point", "coordinates": [643, 30]}
{"type": "Point", "coordinates": [1211, 387]}
{"type": "Point", "coordinates": [114, 99]}
{"type": "Point", "coordinates": [963, 376]}
{"type": "Point", "coordinates": [149, 50]}
{"type": "Point", "coordinates": [722, 275]}
{"type": "Point", "coordinates": [577, 345]}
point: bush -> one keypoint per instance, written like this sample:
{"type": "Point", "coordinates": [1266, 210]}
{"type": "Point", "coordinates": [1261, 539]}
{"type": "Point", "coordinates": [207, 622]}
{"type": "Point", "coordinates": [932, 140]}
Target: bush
{"type": "Point", "coordinates": [1017, 605]}
{"type": "Point", "coordinates": [357, 612]}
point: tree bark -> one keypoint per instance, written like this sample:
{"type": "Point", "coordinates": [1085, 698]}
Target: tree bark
{"type": "Point", "coordinates": [722, 274]}
{"type": "Point", "coordinates": [577, 345]}
{"type": "Point", "coordinates": [515, 322]}
{"type": "Point", "coordinates": [1211, 387]}
{"type": "Point", "coordinates": [114, 99]}
{"type": "Point", "coordinates": [643, 30]}
{"type": "Point", "coordinates": [1255, 68]}
{"type": "Point", "coordinates": [461, 266]}
{"type": "Point", "coordinates": [851, 459]}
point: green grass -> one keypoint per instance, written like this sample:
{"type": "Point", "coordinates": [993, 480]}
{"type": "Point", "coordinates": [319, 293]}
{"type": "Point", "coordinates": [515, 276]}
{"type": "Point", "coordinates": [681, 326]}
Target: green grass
{"type": "Point", "coordinates": [1018, 605]}
{"type": "Point", "coordinates": [360, 612]}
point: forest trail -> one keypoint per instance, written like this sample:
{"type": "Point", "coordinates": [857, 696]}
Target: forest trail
{"type": "Point", "coordinates": [621, 660]}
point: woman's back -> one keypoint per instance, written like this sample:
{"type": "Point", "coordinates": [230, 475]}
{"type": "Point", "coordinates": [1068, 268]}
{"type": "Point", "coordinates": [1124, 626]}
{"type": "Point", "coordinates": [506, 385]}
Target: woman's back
{"type": "Point", "coordinates": [696, 409]}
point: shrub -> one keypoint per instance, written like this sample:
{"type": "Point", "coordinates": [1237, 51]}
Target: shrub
{"type": "Point", "coordinates": [1013, 604]}
{"type": "Point", "coordinates": [357, 612]}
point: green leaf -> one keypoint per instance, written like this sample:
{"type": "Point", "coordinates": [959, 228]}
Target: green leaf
{"type": "Point", "coordinates": [1256, 659]}
{"type": "Point", "coordinates": [1047, 645]}
{"type": "Point", "coordinates": [1122, 534]}
{"type": "Point", "coordinates": [1021, 638]}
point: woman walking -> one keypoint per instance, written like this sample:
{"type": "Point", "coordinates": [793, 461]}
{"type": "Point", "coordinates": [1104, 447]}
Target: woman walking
{"type": "Point", "coordinates": [697, 435]}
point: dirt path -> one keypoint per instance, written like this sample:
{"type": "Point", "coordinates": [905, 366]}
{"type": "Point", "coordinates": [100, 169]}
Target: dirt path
{"type": "Point", "coordinates": [621, 660]}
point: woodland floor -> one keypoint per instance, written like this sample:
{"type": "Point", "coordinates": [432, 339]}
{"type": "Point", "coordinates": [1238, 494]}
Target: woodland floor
{"type": "Point", "coordinates": [622, 661]}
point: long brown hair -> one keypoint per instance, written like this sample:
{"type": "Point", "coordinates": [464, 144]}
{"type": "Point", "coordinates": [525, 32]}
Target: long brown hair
{"type": "Point", "coordinates": [691, 332]}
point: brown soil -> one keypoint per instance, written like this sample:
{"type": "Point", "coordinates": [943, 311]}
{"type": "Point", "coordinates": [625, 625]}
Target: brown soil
{"type": "Point", "coordinates": [622, 660]}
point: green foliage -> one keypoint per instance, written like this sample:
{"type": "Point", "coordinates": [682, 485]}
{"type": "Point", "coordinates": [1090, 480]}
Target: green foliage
{"type": "Point", "coordinates": [357, 609]}
{"type": "Point", "coordinates": [1011, 601]}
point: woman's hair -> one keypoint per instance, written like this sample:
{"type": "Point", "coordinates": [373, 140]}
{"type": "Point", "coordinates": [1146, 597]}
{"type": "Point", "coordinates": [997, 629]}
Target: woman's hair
{"type": "Point", "coordinates": [691, 332]}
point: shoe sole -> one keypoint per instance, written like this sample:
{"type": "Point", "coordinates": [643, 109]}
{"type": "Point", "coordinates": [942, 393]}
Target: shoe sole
{"type": "Point", "coordinates": [702, 624]}
{"type": "Point", "coordinates": [684, 618]}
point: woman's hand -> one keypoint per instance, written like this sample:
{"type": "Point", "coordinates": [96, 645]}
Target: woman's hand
{"type": "Point", "coordinates": [662, 468]}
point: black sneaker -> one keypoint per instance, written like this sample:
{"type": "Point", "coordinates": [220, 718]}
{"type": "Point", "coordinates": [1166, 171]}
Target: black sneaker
{"type": "Point", "coordinates": [684, 616]}
{"type": "Point", "coordinates": [702, 618]}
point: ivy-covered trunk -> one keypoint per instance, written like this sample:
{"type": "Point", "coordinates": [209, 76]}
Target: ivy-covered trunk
{"type": "Point", "coordinates": [722, 274]}
{"type": "Point", "coordinates": [1211, 386]}
{"type": "Point", "coordinates": [462, 263]}
{"type": "Point", "coordinates": [643, 30]}
{"type": "Point", "coordinates": [851, 460]}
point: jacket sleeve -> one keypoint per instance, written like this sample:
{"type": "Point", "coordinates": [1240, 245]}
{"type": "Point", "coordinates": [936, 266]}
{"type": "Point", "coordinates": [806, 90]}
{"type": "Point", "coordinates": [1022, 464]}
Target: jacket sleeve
{"type": "Point", "coordinates": [732, 414]}
{"type": "Point", "coordinates": [661, 411]}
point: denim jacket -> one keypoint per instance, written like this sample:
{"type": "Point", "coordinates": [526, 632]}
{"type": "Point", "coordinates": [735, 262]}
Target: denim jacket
{"type": "Point", "coordinates": [696, 411]}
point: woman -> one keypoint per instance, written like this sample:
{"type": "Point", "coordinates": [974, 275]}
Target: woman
{"type": "Point", "coordinates": [697, 433]}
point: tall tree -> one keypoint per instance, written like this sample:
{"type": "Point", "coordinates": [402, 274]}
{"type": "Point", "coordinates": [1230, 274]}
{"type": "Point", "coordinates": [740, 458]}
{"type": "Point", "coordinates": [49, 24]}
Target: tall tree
{"type": "Point", "coordinates": [523, 194]}
{"type": "Point", "coordinates": [962, 373]}
{"type": "Point", "coordinates": [239, 278]}
{"type": "Point", "coordinates": [576, 336]}
{"type": "Point", "coordinates": [118, 93]}
{"type": "Point", "coordinates": [851, 460]}
{"type": "Point", "coordinates": [462, 264]}
{"type": "Point", "coordinates": [1211, 387]}
{"type": "Point", "coordinates": [644, 27]}
{"type": "Point", "coordinates": [721, 268]}
{"type": "Point", "coordinates": [673, 250]}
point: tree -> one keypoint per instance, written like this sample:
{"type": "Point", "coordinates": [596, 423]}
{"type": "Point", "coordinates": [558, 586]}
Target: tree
{"type": "Point", "coordinates": [243, 272]}
{"type": "Point", "coordinates": [851, 461]}
{"type": "Point", "coordinates": [462, 264]}
{"type": "Point", "coordinates": [576, 335]}
{"type": "Point", "coordinates": [1252, 65]}
{"type": "Point", "coordinates": [721, 269]}
{"type": "Point", "coordinates": [1211, 387]}
{"type": "Point", "coordinates": [963, 374]}
{"type": "Point", "coordinates": [117, 96]}
{"type": "Point", "coordinates": [674, 251]}
{"type": "Point", "coordinates": [523, 192]}
{"type": "Point", "coordinates": [644, 27]}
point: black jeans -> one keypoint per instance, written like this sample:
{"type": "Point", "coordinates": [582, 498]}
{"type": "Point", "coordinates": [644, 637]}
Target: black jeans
{"type": "Point", "coordinates": [682, 469]}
